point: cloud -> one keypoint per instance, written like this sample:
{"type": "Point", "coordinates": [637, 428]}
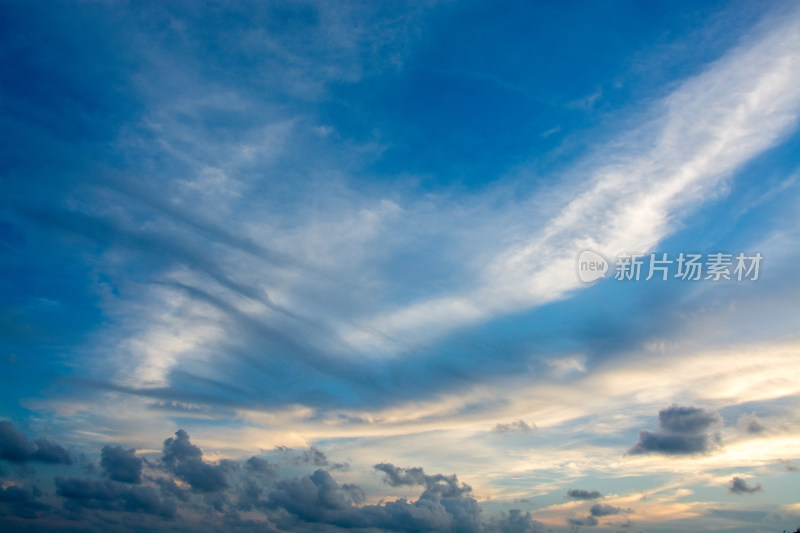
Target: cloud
{"type": "Point", "coordinates": [751, 424]}
{"type": "Point", "coordinates": [514, 521]}
{"type": "Point", "coordinates": [738, 485]}
{"type": "Point", "coordinates": [397, 477]}
{"type": "Point", "coordinates": [121, 465]}
{"type": "Point", "coordinates": [185, 460]}
{"type": "Point", "coordinates": [683, 431]}
{"type": "Point", "coordinates": [319, 499]}
{"type": "Point", "coordinates": [518, 425]}
{"type": "Point", "coordinates": [581, 494]}
{"type": "Point", "coordinates": [590, 521]}
{"type": "Point", "coordinates": [16, 448]}
{"type": "Point", "coordinates": [262, 467]}
{"type": "Point", "coordinates": [439, 484]}
{"type": "Point", "coordinates": [687, 420]}
{"type": "Point", "coordinates": [21, 501]}
{"type": "Point", "coordinates": [315, 457]}
{"type": "Point", "coordinates": [600, 509]}
{"type": "Point", "coordinates": [113, 496]}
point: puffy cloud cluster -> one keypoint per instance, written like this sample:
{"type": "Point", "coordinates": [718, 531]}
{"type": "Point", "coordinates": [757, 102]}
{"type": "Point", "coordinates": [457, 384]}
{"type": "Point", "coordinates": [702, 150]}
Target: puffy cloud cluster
{"type": "Point", "coordinates": [183, 491]}
{"type": "Point", "coordinates": [121, 465]}
{"type": "Point", "coordinates": [16, 448]}
{"type": "Point", "coordinates": [185, 460]}
{"type": "Point", "coordinates": [682, 431]}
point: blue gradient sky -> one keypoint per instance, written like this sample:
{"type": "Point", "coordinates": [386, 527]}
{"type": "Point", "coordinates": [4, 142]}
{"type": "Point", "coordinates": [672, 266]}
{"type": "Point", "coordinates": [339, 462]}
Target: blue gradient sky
{"type": "Point", "coordinates": [341, 238]}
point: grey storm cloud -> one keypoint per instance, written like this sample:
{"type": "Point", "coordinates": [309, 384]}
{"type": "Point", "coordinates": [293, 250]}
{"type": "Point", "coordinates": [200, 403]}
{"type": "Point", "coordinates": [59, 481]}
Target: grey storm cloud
{"type": "Point", "coordinates": [262, 467]}
{"type": "Point", "coordinates": [183, 489]}
{"type": "Point", "coordinates": [444, 485]}
{"type": "Point", "coordinates": [738, 485]}
{"type": "Point", "coordinates": [581, 494]}
{"type": "Point", "coordinates": [687, 420]}
{"type": "Point", "coordinates": [585, 521]}
{"type": "Point", "coordinates": [16, 448]}
{"type": "Point", "coordinates": [682, 431]}
{"type": "Point", "coordinates": [121, 465]}
{"type": "Point", "coordinates": [317, 498]}
{"type": "Point", "coordinates": [112, 496]}
{"type": "Point", "coordinates": [600, 509]}
{"type": "Point", "coordinates": [185, 460]}
{"type": "Point", "coordinates": [21, 501]}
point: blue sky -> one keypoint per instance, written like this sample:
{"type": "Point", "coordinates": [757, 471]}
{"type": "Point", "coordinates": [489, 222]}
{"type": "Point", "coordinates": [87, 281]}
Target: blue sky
{"type": "Point", "coordinates": [292, 266]}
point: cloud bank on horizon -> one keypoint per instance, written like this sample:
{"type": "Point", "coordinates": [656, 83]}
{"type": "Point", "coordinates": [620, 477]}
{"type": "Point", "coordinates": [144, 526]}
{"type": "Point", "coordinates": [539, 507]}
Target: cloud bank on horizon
{"type": "Point", "coordinates": [336, 244]}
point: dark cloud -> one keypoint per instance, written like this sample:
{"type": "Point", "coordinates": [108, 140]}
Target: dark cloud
{"type": "Point", "coordinates": [21, 501]}
{"type": "Point", "coordinates": [113, 496]}
{"type": "Point", "coordinates": [683, 431]}
{"type": "Point", "coordinates": [600, 509]}
{"type": "Point", "coordinates": [262, 467]}
{"type": "Point", "coordinates": [443, 485]}
{"type": "Point", "coordinates": [515, 521]}
{"type": "Point", "coordinates": [170, 488]}
{"type": "Point", "coordinates": [121, 465]}
{"type": "Point", "coordinates": [396, 476]}
{"type": "Point", "coordinates": [789, 466]}
{"type": "Point", "coordinates": [517, 425]}
{"type": "Point", "coordinates": [590, 521]}
{"type": "Point", "coordinates": [687, 420]}
{"type": "Point", "coordinates": [581, 494]}
{"type": "Point", "coordinates": [15, 447]}
{"type": "Point", "coordinates": [738, 485]}
{"type": "Point", "coordinates": [317, 498]}
{"type": "Point", "coordinates": [185, 460]}
{"type": "Point", "coordinates": [50, 452]}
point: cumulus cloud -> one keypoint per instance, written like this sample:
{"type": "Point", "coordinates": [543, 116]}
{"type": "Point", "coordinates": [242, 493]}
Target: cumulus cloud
{"type": "Point", "coordinates": [682, 431]}
{"type": "Point", "coordinates": [738, 485]}
{"type": "Point", "coordinates": [440, 484]}
{"type": "Point", "coordinates": [185, 460]}
{"type": "Point", "coordinates": [396, 476]}
{"type": "Point", "coordinates": [121, 465]}
{"type": "Point", "coordinates": [21, 501]}
{"type": "Point", "coordinates": [261, 467]}
{"type": "Point", "coordinates": [318, 498]}
{"type": "Point", "coordinates": [514, 521]}
{"type": "Point", "coordinates": [581, 494]}
{"type": "Point", "coordinates": [16, 448]}
{"type": "Point", "coordinates": [112, 496]}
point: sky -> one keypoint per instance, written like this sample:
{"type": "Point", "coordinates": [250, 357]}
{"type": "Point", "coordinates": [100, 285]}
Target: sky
{"type": "Point", "coordinates": [457, 266]}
